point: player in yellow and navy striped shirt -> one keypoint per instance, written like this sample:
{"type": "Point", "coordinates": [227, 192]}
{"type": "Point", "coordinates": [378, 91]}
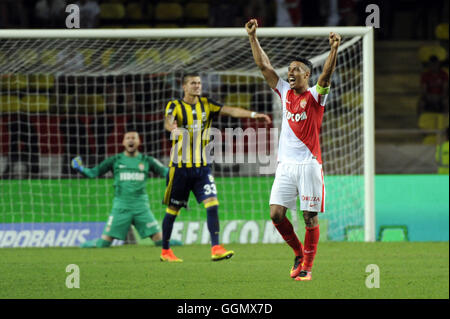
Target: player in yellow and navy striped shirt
{"type": "Point", "coordinates": [194, 118]}
{"type": "Point", "coordinates": [189, 169]}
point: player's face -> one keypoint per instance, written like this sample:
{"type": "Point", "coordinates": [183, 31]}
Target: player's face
{"type": "Point", "coordinates": [192, 86]}
{"type": "Point", "coordinates": [298, 75]}
{"type": "Point", "coordinates": [131, 142]}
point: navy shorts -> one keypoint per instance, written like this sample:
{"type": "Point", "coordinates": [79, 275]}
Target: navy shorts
{"type": "Point", "coordinates": [181, 181]}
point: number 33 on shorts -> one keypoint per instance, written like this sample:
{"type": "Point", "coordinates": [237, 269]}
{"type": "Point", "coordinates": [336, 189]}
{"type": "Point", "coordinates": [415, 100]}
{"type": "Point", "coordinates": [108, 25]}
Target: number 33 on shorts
{"type": "Point", "coordinates": [210, 188]}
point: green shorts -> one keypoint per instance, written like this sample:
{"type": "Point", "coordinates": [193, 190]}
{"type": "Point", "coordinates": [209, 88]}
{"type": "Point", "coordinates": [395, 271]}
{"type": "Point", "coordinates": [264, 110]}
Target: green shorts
{"type": "Point", "coordinates": [120, 219]}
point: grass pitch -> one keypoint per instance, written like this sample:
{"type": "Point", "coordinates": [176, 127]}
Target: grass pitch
{"type": "Point", "coordinates": [407, 270]}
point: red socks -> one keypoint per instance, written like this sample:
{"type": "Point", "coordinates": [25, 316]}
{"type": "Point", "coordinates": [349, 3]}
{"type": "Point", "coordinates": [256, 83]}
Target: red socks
{"type": "Point", "coordinates": [311, 239]}
{"type": "Point", "coordinates": [287, 232]}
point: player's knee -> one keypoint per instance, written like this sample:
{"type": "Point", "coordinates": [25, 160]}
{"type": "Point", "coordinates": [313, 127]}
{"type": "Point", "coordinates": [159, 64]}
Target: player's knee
{"type": "Point", "coordinates": [277, 213]}
{"type": "Point", "coordinates": [311, 219]}
{"type": "Point", "coordinates": [107, 238]}
{"type": "Point", "coordinates": [211, 203]}
{"type": "Point", "coordinates": [173, 210]}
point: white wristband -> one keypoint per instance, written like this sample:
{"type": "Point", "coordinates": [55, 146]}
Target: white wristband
{"type": "Point", "coordinates": [253, 115]}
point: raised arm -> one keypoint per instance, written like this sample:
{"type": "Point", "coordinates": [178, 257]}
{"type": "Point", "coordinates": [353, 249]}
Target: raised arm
{"type": "Point", "coordinates": [330, 63]}
{"type": "Point", "coordinates": [96, 171]}
{"type": "Point", "coordinates": [260, 57]}
{"type": "Point", "coordinates": [158, 167]}
{"type": "Point", "coordinates": [239, 113]}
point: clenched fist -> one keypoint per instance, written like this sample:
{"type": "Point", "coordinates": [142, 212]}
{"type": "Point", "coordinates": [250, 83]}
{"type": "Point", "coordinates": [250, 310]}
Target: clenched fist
{"type": "Point", "coordinates": [251, 26]}
{"type": "Point", "coordinates": [335, 40]}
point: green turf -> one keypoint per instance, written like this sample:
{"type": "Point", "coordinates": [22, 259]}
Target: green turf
{"type": "Point", "coordinates": [407, 270]}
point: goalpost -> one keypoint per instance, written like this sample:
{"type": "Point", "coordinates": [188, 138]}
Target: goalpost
{"type": "Point", "coordinates": [74, 92]}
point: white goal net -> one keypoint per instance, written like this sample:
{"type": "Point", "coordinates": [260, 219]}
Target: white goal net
{"type": "Point", "coordinates": [63, 97]}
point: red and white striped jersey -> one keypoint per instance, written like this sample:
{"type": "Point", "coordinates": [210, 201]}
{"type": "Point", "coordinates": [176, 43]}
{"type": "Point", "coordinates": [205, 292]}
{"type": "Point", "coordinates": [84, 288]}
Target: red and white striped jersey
{"type": "Point", "coordinates": [302, 119]}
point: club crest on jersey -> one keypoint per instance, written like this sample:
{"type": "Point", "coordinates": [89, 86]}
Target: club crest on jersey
{"type": "Point", "coordinates": [141, 166]}
{"type": "Point", "coordinates": [303, 103]}
{"type": "Point", "coordinates": [296, 117]}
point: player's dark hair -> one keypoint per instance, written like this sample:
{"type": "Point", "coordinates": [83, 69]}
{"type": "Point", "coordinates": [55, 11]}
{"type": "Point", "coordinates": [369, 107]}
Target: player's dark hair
{"type": "Point", "coordinates": [188, 75]}
{"type": "Point", "coordinates": [130, 129]}
{"type": "Point", "coordinates": [306, 62]}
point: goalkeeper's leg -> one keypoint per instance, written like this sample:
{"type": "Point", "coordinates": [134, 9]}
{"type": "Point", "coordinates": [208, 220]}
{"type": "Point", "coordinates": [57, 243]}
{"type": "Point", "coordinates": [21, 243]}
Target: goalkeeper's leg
{"type": "Point", "coordinates": [103, 242]}
{"type": "Point", "coordinates": [119, 222]}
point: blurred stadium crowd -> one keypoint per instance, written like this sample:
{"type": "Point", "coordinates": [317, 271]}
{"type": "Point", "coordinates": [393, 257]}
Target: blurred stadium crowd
{"type": "Point", "coordinates": [230, 13]}
{"type": "Point", "coordinates": [411, 62]}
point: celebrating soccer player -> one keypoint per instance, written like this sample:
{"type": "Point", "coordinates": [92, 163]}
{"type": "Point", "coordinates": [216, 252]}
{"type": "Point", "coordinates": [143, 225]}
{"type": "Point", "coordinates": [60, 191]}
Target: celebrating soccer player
{"type": "Point", "coordinates": [299, 172]}
{"type": "Point", "coordinates": [131, 203]}
{"type": "Point", "coordinates": [193, 115]}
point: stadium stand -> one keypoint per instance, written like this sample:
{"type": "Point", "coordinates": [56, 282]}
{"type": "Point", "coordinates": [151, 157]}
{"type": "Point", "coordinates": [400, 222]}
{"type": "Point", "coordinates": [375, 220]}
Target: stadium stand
{"type": "Point", "coordinates": [91, 103]}
{"type": "Point", "coordinates": [168, 13]}
{"type": "Point", "coordinates": [34, 103]}
{"type": "Point", "coordinates": [239, 99]}
{"type": "Point", "coordinates": [106, 56]}
{"type": "Point", "coordinates": [12, 82]}
{"type": "Point", "coordinates": [9, 103]}
{"type": "Point", "coordinates": [134, 11]}
{"type": "Point", "coordinates": [112, 11]}
{"type": "Point", "coordinates": [41, 81]}
{"type": "Point", "coordinates": [441, 31]}
{"type": "Point", "coordinates": [196, 13]}
{"type": "Point", "coordinates": [144, 55]}
{"type": "Point", "coordinates": [178, 55]}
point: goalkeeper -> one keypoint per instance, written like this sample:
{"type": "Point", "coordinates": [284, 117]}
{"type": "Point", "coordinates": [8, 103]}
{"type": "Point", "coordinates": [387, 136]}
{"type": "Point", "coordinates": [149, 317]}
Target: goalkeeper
{"type": "Point", "coordinates": [131, 203]}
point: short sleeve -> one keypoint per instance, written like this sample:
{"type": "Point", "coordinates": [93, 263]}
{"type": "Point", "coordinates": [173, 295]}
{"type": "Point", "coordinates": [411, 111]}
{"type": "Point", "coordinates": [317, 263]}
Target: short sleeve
{"type": "Point", "coordinates": [214, 106]}
{"type": "Point", "coordinates": [282, 88]}
{"type": "Point", "coordinates": [170, 109]}
{"type": "Point", "coordinates": [320, 94]}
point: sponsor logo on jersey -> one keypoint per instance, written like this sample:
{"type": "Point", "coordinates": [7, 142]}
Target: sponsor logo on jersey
{"type": "Point", "coordinates": [122, 166]}
{"type": "Point", "coordinates": [296, 117]}
{"type": "Point", "coordinates": [141, 166]}
{"type": "Point", "coordinates": [132, 176]}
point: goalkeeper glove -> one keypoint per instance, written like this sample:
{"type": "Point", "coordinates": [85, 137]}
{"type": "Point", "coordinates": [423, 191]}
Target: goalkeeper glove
{"type": "Point", "coordinates": [77, 164]}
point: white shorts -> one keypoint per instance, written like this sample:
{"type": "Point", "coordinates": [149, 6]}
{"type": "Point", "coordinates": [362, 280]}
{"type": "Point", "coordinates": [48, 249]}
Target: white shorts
{"type": "Point", "coordinates": [302, 180]}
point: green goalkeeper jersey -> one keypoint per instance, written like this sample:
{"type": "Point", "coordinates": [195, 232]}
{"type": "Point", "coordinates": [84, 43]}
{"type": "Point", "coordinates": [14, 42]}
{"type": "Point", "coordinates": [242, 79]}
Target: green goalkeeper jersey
{"type": "Point", "coordinates": [130, 177]}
